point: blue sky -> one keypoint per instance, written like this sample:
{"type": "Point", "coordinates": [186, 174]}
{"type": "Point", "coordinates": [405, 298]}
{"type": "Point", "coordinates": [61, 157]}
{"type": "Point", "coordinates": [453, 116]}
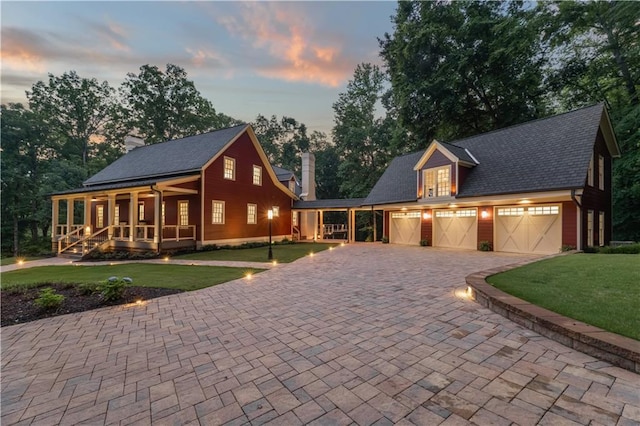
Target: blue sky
{"type": "Point", "coordinates": [247, 58]}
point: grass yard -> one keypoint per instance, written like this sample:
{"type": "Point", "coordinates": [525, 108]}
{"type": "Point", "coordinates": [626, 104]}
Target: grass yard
{"type": "Point", "coordinates": [11, 259]}
{"type": "Point", "coordinates": [599, 289]}
{"type": "Point", "coordinates": [283, 253]}
{"type": "Point", "coordinates": [181, 277]}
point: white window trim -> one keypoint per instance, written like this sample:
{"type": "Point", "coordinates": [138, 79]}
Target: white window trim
{"type": "Point", "coordinates": [213, 203]}
{"type": "Point", "coordinates": [259, 170]}
{"type": "Point", "coordinates": [141, 211]}
{"type": "Point", "coordinates": [590, 172]}
{"type": "Point", "coordinates": [180, 216]}
{"type": "Point", "coordinates": [590, 215]}
{"type": "Point", "coordinates": [276, 211]}
{"type": "Point", "coordinates": [601, 172]}
{"type": "Point", "coordinates": [601, 229]}
{"type": "Point", "coordinates": [163, 212]}
{"type": "Point", "coordinates": [255, 213]}
{"type": "Point", "coordinates": [116, 215]}
{"type": "Point", "coordinates": [100, 216]}
{"type": "Point", "coordinates": [436, 186]}
{"type": "Point", "coordinates": [233, 168]}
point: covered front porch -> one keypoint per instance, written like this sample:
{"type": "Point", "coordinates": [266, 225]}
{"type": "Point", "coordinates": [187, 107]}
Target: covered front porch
{"type": "Point", "coordinates": [154, 217]}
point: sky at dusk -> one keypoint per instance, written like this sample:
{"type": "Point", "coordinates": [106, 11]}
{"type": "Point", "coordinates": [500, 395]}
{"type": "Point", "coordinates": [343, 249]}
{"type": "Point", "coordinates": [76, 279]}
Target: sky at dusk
{"type": "Point", "coordinates": [247, 58]}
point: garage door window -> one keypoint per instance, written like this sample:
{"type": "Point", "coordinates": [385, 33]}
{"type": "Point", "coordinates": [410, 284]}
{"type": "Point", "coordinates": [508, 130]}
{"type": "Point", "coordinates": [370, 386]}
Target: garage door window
{"type": "Point", "coordinates": [511, 211]}
{"type": "Point", "coordinates": [406, 215]}
{"type": "Point", "coordinates": [546, 210]}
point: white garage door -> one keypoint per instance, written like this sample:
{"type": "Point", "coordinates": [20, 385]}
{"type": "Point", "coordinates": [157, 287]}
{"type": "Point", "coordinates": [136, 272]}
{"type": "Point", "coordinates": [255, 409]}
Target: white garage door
{"type": "Point", "coordinates": [535, 229]}
{"type": "Point", "coordinates": [455, 229]}
{"type": "Point", "coordinates": [405, 228]}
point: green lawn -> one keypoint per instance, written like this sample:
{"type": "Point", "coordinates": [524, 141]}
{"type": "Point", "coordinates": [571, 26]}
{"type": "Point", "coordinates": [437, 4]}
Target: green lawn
{"type": "Point", "coordinates": [599, 289]}
{"type": "Point", "coordinates": [182, 277]}
{"type": "Point", "coordinates": [283, 253]}
{"type": "Point", "coordinates": [11, 260]}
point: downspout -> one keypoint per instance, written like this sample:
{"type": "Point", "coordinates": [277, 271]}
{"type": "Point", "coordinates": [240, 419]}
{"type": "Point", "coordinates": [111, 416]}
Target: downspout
{"type": "Point", "coordinates": [157, 191]}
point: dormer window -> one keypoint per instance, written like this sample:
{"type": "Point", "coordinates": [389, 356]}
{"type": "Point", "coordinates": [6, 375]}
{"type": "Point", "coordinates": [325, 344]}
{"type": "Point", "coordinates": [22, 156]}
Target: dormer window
{"type": "Point", "coordinates": [437, 182]}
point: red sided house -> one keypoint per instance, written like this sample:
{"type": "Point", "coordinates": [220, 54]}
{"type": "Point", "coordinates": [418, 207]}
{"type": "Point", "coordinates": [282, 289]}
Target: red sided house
{"type": "Point", "coordinates": [531, 188]}
{"type": "Point", "coordinates": [213, 188]}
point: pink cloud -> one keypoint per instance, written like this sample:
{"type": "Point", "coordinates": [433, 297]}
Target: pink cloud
{"type": "Point", "coordinates": [289, 38]}
{"type": "Point", "coordinates": [22, 51]}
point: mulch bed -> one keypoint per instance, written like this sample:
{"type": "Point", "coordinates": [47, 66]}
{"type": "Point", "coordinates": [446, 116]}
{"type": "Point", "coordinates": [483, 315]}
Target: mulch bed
{"type": "Point", "coordinates": [17, 306]}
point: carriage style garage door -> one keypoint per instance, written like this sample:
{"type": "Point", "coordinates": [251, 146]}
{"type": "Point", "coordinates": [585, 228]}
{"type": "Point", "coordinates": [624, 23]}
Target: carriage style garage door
{"type": "Point", "coordinates": [455, 229]}
{"type": "Point", "coordinates": [405, 228]}
{"type": "Point", "coordinates": [535, 229]}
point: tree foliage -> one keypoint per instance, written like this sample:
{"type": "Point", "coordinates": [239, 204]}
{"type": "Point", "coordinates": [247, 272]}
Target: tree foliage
{"type": "Point", "coordinates": [464, 67]}
{"type": "Point", "coordinates": [162, 105]}
{"type": "Point", "coordinates": [364, 139]}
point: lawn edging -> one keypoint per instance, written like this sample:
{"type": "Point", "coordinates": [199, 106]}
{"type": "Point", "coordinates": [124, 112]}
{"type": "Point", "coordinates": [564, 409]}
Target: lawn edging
{"type": "Point", "coordinates": [621, 351]}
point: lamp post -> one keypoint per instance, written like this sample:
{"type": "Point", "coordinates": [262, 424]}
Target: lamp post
{"type": "Point", "coordinates": [270, 217]}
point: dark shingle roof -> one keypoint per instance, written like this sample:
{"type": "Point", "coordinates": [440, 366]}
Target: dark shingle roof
{"type": "Point", "coordinates": [179, 156]}
{"type": "Point", "coordinates": [542, 155]}
{"type": "Point", "coordinates": [462, 153]}
{"type": "Point", "coordinates": [343, 203]}
{"type": "Point", "coordinates": [398, 183]}
{"type": "Point", "coordinates": [117, 185]}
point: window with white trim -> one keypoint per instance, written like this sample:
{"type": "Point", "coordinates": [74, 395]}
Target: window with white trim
{"type": "Point", "coordinates": [601, 172]}
{"type": "Point", "coordinates": [437, 182]}
{"type": "Point", "coordinates": [543, 210]}
{"type": "Point", "coordinates": [116, 215]}
{"type": "Point", "coordinates": [257, 175]}
{"type": "Point", "coordinates": [601, 229]}
{"type": "Point", "coordinates": [100, 216]}
{"type": "Point", "coordinates": [445, 213]}
{"type": "Point", "coordinates": [511, 211]}
{"type": "Point", "coordinates": [405, 215]}
{"type": "Point", "coordinates": [252, 214]}
{"type": "Point", "coordinates": [229, 168]}
{"type": "Point", "coordinates": [141, 211]}
{"type": "Point", "coordinates": [590, 228]}
{"type": "Point", "coordinates": [590, 172]}
{"type": "Point", "coordinates": [276, 211]}
{"type": "Point", "coordinates": [162, 212]}
{"type": "Point", "coordinates": [294, 218]}
{"type": "Point", "coordinates": [183, 213]}
{"type": "Point", "coordinates": [217, 212]}
{"type": "Point", "coordinates": [292, 185]}
{"type": "Point", "coordinates": [466, 213]}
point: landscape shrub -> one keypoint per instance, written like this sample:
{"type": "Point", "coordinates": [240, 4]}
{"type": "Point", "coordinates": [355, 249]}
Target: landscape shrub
{"type": "Point", "coordinates": [113, 288]}
{"type": "Point", "coordinates": [385, 239]}
{"type": "Point", "coordinates": [49, 300]}
{"type": "Point", "coordinates": [590, 249]}
{"type": "Point", "coordinates": [424, 242]}
{"type": "Point", "coordinates": [626, 249]}
{"type": "Point", "coordinates": [485, 246]}
{"type": "Point", "coordinates": [86, 289]}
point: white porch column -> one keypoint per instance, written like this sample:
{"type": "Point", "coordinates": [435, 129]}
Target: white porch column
{"type": "Point", "coordinates": [353, 225]}
{"type": "Point", "coordinates": [321, 227]}
{"type": "Point", "coordinates": [55, 220]}
{"type": "Point", "coordinates": [69, 214]}
{"type": "Point", "coordinates": [87, 212]}
{"type": "Point", "coordinates": [133, 215]}
{"type": "Point", "coordinates": [157, 225]}
{"type": "Point", "coordinates": [111, 207]}
{"type": "Point", "coordinates": [375, 226]}
{"type": "Point", "coordinates": [349, 225]}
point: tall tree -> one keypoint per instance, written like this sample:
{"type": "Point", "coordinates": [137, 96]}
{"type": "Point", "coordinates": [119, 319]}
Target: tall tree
{"type": "Point", "coordinates": [75, 109]}
{"type": "Point", "coordinates": [598, 58]}
{"type": "Point", "coordinates": [24, 151]}
{"type": "Point", "coordinates": [161, 105]}
{"type": "Point", "coordinates": [464, 67]}
{"type": "Point", "coordinates": [363, 137]}
{"type": "Point", "coordinates": [283, 140]}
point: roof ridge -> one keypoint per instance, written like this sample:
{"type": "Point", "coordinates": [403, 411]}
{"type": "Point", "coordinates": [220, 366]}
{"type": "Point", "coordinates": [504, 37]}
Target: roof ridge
{"type": "Point", "coordinates": [456, 141]}
{"type": "Point", "coordinates": [192, 136]}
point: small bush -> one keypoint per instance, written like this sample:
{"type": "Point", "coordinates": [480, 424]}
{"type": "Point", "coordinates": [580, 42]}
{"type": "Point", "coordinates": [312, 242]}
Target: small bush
{"type": "Point", "coordinates": [626, 249]}
{"type": "Point", "coordinates": [48, 299]}
{"type": "Point", "coordinates": [485, 246]}
{"type": "Point", "coordinates": [590, 249]}
{"type": "Point", "coordinates": [86, 289]}
{"type": "Point", "coordinates": [113, 288]}
{"type": "Point", "coordinates": [568, 247]}
{"type": "Point", "coordinates": [424, 242]}
{"type": "Point", "coordinates": [210, 247]}
{"type": "Point", "coordinates": [385, 239]}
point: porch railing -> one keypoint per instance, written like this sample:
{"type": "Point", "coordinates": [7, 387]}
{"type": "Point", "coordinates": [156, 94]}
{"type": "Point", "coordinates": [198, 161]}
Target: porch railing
{"type": "Point", "coordinates": [63, 230]}
{"type": "Point", "coordinates": [178, 233]}
{"type": "Point", "coordinates": [83, 245]}
{"type": "Point", "coordinates": [330, 230]}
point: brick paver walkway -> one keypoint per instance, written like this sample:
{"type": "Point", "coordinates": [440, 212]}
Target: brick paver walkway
{"type": "Point", "coordinates": [364, 334]}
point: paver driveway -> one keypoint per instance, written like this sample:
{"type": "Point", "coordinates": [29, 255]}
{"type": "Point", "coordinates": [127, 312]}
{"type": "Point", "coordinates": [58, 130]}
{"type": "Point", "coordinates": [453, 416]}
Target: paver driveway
{"type": "Point", "coordinates": [361, 334]}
